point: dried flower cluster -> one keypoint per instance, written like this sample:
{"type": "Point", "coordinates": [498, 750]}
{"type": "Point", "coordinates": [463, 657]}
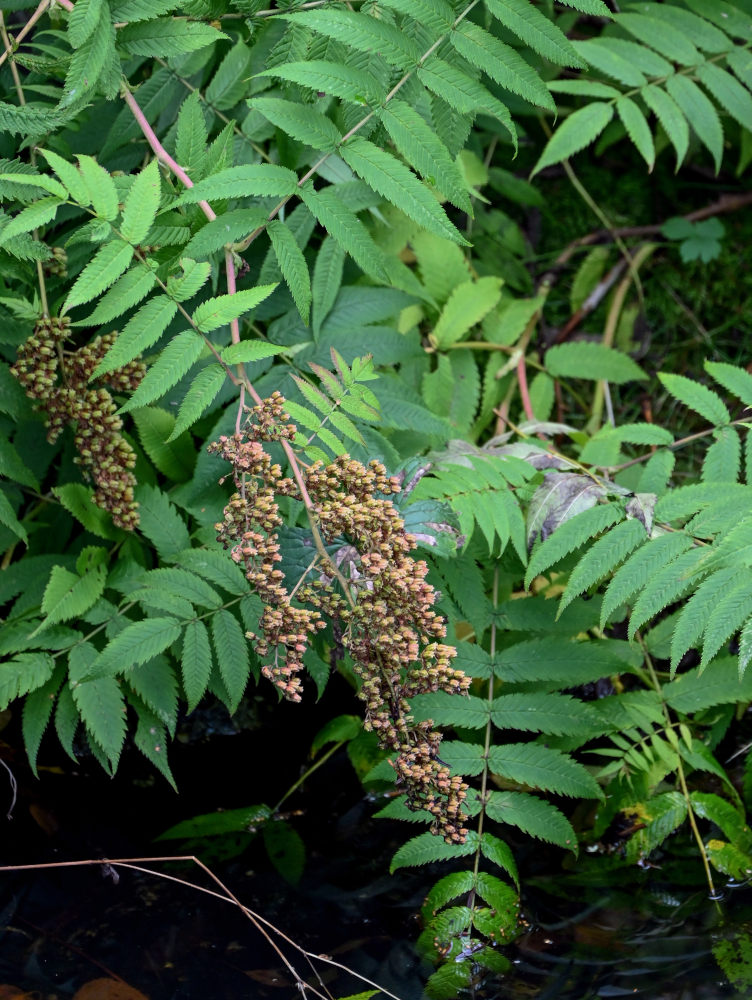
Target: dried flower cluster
{"type": "Point", "coordinates": [59, 381]}
{"type": "Point", "coordinates": [384, 608]}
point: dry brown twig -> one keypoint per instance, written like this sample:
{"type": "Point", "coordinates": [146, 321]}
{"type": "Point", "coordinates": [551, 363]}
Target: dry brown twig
{"type": "Point", "coordinates": [265, 927]}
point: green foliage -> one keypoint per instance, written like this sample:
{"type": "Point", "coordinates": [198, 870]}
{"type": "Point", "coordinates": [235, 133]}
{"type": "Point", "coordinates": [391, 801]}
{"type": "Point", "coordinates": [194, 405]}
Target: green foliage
{"type": "Point", "coordinates": [321, 203]}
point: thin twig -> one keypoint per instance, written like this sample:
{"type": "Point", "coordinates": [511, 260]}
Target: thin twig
{"type": "Point", "coordinates": [725, 204]}
{"type": "Point", "coordinates": [41, 9]}
{"type": "Point", "coordinates": [227, 896]}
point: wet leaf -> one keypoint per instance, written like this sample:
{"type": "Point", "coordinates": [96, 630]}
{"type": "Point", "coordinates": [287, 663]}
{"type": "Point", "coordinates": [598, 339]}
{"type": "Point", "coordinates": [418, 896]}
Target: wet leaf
{"type": "Point", "coordinates": [108, 989]}
{"type": "Point", "coordinates": [560, 497]}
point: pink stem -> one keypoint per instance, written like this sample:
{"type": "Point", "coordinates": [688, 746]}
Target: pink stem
{"type": "Point", "coordinates": [66, 5]}
{"type": "Point", "coordinates": [524, 392]}
{"type": "Point", "coordinates": [161, 153]}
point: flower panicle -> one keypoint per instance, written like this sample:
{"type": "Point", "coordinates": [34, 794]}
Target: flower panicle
{"type": "Point", "coordinates": [386, 616]}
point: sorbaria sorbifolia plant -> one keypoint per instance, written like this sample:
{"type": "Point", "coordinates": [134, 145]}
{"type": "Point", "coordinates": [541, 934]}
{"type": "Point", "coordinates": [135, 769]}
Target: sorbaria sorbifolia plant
{"type": "Point", "coordinates": [384, 607]}
{"type": "Point", "coordinates": [223, 212]}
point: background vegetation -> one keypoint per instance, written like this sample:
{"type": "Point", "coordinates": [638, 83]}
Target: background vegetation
{"type": "Point", "coordinates": [346, 258]}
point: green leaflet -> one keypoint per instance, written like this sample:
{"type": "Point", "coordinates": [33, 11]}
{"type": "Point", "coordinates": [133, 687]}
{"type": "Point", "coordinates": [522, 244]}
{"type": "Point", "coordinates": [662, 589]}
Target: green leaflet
{"type": "Point", "coordinates": [611, 60]}
{"type": "Point", "coordinates": [231, 227]}
{"type": "Point", "coordinates": [736, 380]}
{"type": "Point", "coordinates": [576, 132]}
{"type": "Point", "coordinates": [161, 522]}
{"type": "Point", "coordinates": [70, 177]}
{"type": "Point", "coordinates": [141, 205]}
{"type": "Point", "coordinates": [216, 312]}
{"type": "Point", "coordinates": [327, 278]}
{"type": "Point", "coordinates": [468, 304]}
{"type": "Point", "coordinates": [231, 651]}
{"type": "Point", "coordinates": [557, 662]}
{"type": "Point", "coordinates": [166, 36]}
{"type": "Point", "coordinates": [136, 644]}
{"type": "Point", "coordinates": [365, 34]}
{"type": "Point", "coordinates": [697, 397]}
{"type": "Point", "coordinates": [718, 684]}
{"type": "Point", "coordinates": [535, 30]}
{"type": "Point", "coordinates": [463, 93]}
{"type": "Point", "coordinates": [157, 431]}
{"type": "Point", "coordinates": [23, 673]}
{"type": "Point", "coordinates": [127, 292]}
{"type": "Point", "coordinates": [693, 618]}
{"type": "Point", "coordinates": [385, 174]}
{"type": "Point", "coordinates": [501, 62]}
{"type": "Point", "coordinates": [671, 117]}
{"type": "Point", "coordinates": [228, 84]}
{"type": "Point", "coordinates": [293, 266]}
{"type": "Point", "coordinates": [199, 397]}
{"type": "Point", "coordinates": [724, 815]}
{"type": "Point", "coordinates": [637, 128]}
{"type": "Point", "coordinates": [184, 286]}
{"type": "Point", "coordinates": [726, 617]}
{"type": "Point", "coordinates": [674, 45]}
{"type": "Point", "coordinates": [597, 7]}
{"type": "Point", "coordinates": [723, 458]}
{"type": "Point", "coordinates": [303, 123]}
{"type": "Point", "coordinates": [192, 136]}
{"type": "Point", "coordinates": [442, 265]}
{"type": "Point", "coordinates": [446, 889]}
{"type": "Point", "coordinates": [107, 265]}
{"type": "Point", "coordinates": [68, 595]}
{"type": "Point", "coordinates": [12, 466]}
{"type": "Point", "coordinates": [570, 535]}
{"type": "Point", "coordinates": [436, 15]}
{"type": "Point", "coordinates": [355, 86]}
{"type": "Point", "coordinates": [83, 21]}
{"type": "Point", "coordinates": [140, 332]}
{"type": "Point", "coordinates": [416, 141]}
{"type": "Point", "coordinates": [540, 713]}
{"type": "Point", "coordinates": [176, 359]}
{"type": "Point", "coordinates": [100, 188]}
{"type": "Point", "coordinates": [534, 816]}
{"type": "Point", "coordinates": [76, 499]}
{"type": "Point", "coordinates": [695, 28]}
{"type": "Point", "coordinates": [30, 180]}
{"type": "Point", "coordinates": [246, 351]}
{"type": "Point", "coordinates": [581, 359]}
{"type": "Point", "coordinates": [151, 739]}
{"type": "Point", "coordinates": [91, 58]}
{"type": "Point", "coordinates": [347, 229]}
{"type": "Point", "coordinates": [216, 567]}
{"type": "Point", "coordinates": [728, 92]}
{"type": "Point", "coordinates": [35, 215]}
{"type": "Point", "coordinates": [251, 180]}
{"type": "Point", "coordinates": [196, 662]}
{"type": "Point", "coordinates": [665, 586]}
{"type": "Point", "coordinates": [700, 112]}
{"type": "Point", "coordinates": [425, 849]}
{"type": "Point", "coordinates": [37, 712]}
{"type": "Point", "coordinates": [542, 768]}
{"type": "Point", "coordinates": [184, 584]}
{"type": "Point", "coordinates": [101, 707]}
{"type": "Point", "coordinates": [602, 558]}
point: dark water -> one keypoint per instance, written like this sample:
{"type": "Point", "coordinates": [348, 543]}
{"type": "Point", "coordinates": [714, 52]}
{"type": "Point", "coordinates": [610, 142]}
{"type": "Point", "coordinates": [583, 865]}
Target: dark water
{"type": "Point", "coordinates": [594, 930]}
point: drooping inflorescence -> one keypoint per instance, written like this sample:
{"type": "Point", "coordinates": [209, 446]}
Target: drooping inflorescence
{"type": "Point", "coordinates": [383, 606]}
{"type": "Point", "coordinates": [59, 381]}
